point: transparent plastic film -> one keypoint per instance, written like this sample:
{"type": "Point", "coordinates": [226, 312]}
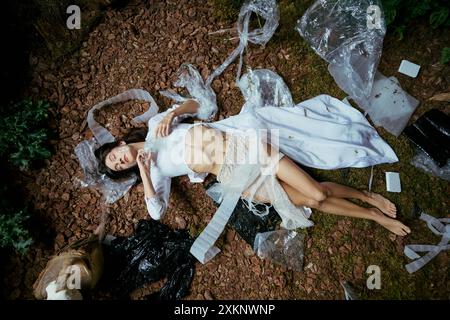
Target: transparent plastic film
{"type": "Point", "coordinates": [101, 133]}
{"type": "Point", "coordinates": [263, 88]}
{"type": "Point", "coordinates": [266, 9]}
{"type": "Point", "coordinates": [284, 247]}
{"type": "Point", "coordinates": [190, 78]}
{"type": "Point", "coordinates": [349, 36]}
{"type": "Point", "coordinates": [112, 190]}
{"type": "Point", "coordinates": [199, 89]}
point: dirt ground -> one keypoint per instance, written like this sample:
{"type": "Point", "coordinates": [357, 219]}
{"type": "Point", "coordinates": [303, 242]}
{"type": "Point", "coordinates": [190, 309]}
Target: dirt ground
{"type": "Point", "coordinates": [141, 46]}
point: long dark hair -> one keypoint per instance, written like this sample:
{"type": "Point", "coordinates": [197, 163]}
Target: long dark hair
{"type": "Point", "coordinates": [135, 135]}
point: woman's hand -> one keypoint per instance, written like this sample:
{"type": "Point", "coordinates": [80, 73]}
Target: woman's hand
{"type": "Point", "coordinates": [163, 127]}
{"type": "Point", "coordinates": [143, 161]}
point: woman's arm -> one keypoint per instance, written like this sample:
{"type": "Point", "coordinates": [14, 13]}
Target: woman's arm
{"type": "Point", "coordinates": [157, 200]}
{"type": "Point", "coordinates": [188, 108]}
{"type": "Point", "coordinates": [143, 162]}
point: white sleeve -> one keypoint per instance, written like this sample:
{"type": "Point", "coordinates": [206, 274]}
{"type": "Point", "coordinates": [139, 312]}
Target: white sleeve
{"type": "Point", "coordinates": [157, 205]}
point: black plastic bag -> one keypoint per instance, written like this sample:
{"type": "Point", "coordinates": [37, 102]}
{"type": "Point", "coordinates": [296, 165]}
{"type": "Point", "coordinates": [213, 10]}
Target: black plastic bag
{"type": "Point", "coordinates": [247, 224]}
{"type": "Point", "coordinates": [154, 252]}
{"type": "Point", "coordinates": [431, 133]}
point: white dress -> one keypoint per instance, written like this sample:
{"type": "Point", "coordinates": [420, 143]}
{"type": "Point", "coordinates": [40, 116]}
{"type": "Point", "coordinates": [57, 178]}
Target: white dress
{"type": "Point", "coordinates": [322, 132]}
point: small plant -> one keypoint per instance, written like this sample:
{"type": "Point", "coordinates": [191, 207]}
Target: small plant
{"type": "Point", "coordinates": [399, 14]}
{"type": "Point", "coordinates": [23, 133]}
{"type": "Point", "coordinates": [12, 231]}
{"type": "Point", "coordinates": [13, 217]}
{"type": "Point", "coordinates": [445, 56]}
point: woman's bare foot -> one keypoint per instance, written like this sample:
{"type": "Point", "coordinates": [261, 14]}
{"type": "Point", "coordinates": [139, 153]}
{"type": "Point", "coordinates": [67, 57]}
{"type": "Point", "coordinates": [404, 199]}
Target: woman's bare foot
{"type": "Point", "coordinates": [377, 200]}
{"type": "Point", "coordinates": [392, 225]}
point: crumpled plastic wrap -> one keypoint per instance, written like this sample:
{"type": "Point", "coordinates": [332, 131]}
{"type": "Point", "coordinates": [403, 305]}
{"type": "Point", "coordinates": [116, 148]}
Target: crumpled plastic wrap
{"type": "Point", "coordinates": [112, 190]}
{"type": "Point", "coordinates": [190, 78]}
{"type": "Point", "coordinates": [431, 134]}
{"type": "Point", "coordinates": [244, 222]}
{"type": "Point", "coordinates": [101, 133]}
{"type": "Point", "coordinates": [349, 291]}
{"type": "Point", "coordinates": [282, 246]}
{"type": "Point", "coordinates": [344, 34]}
{"type": "Point", "coordinates": [423, 162]}
{"type": "Point", "coordinates": [152, 253]}
{"type": "Point", "coordinates": [266, 9]}
{"type": "Point", "coordinates": [263, 88]}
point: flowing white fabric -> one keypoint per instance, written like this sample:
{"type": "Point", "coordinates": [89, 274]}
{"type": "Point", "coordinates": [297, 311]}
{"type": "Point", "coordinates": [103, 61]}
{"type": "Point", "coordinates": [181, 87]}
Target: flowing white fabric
{"type": "Point", "coordinates": [322, 132]}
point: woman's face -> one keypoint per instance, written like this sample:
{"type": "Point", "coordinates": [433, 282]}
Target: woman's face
{"type": "Point", "coordinates": [121, 157]}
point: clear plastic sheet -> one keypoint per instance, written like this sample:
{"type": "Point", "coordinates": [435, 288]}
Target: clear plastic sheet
{"type": "Point", "coordinates": [284, 247]}
{"type": "Point", "coordinates": [389, 105]}
{"type": "Point", "coordinates": [344, 34]}
{"type": "Point", "coordinates": [112, 190]}
{"type": "Point", "coordinates": [425, 163]}
{"type": "Point", "coordinates": [262, 88]}
{"type": "Point", "coordinates": [247, 224]}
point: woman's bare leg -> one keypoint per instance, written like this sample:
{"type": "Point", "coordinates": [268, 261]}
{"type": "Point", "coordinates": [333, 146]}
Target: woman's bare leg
{"type": "Point", "coordinates": [376, 200]}
{"type": "Point", "coordinates": [294, 176]}
{"type": "Point", "coordinates": [346, 208]}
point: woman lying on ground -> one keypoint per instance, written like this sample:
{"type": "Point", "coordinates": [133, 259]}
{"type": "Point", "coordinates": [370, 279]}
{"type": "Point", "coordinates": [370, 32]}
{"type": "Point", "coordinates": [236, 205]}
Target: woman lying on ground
{"type": "Point", "coordinates": [322, 132]}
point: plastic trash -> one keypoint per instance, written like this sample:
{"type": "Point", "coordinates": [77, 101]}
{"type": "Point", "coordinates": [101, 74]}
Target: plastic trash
{"type": "Point", "coordinates": [408, 68]}
{"type": "Point", "coordinates": [112, 190]}
{"type": "Point", "coordinates": [349, 291]}
{"type": "Point", "coordinates": [242, 220]}
{"type": "Point", "coordinates": [190, 78]}
{"type": "Point", "coordinates": [349, 36]}
{"type": "Point", "coordinates": [393, 182]}
{"type": "Point", "coordinates": [439, 227]}
{"type": "Point", "coordinates": [431, 134]}
{"type": "Point", "coordinates": [248, 225]}
{"type": "Point", "coordinates": [262, 88]}
{"type": "Point", "coordinates": [284, 247]}
{"type": "Point", "coordinates": [152, 253]}
{"type": "Point", "coordinates": [423, 162]}
{"type": "Point", "coordinates": [389, 105]}
{"type": "Point", "coordinates": [266, 9]}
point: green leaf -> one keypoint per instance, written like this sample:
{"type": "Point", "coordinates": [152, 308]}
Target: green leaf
{"type": "Point", "coordinates": [439, 17]}
{"type": "Point", "coordinates": [445, 55]}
